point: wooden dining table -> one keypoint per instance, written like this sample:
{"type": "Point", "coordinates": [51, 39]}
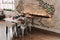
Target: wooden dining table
{"type": "Point", "coordinates": [33, 9]}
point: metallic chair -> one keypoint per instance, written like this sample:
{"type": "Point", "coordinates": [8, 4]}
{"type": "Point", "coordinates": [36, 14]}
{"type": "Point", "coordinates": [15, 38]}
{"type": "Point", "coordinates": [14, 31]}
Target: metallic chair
{"type": "Point", "coordinates": [9, 30]}
{"type": "Point", "coordinates": [29, 21]}
{"type": "Point", "coordinates": [23, 24]}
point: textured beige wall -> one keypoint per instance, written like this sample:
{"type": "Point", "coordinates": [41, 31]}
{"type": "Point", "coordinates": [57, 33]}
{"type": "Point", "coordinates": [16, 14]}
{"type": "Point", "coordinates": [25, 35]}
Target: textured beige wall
{"type": "Point", "coordinates": [56, 18]}
{"type": "Point", "coordinates": [50, 1]}
{"type": "Point", "coordinates": [57, 13]}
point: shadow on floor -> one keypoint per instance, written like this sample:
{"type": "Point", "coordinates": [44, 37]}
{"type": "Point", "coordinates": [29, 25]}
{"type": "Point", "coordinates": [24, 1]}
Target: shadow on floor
{"type": "Point", "coordinates": [39, 34]}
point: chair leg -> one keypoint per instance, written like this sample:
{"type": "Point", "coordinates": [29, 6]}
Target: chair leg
{"type": "Point", "coordinates": [26, 30]}
{"type": "Point", "coordinates": [30, 29]}
{"type": "Point", "coordinates": [17, 33]}
{"type": "Point", "coordinates": [10, 33]}
{"type": "Point", "coordinates": [6, 30]}
{"type": "Point", "coordinates": [13, 30]}
{"type": "Point", "coordinates": [22, 32]}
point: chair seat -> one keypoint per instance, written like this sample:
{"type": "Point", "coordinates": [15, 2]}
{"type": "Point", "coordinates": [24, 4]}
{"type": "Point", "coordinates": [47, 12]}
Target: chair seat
{"type": "Point", "coordinates": [9, 24]}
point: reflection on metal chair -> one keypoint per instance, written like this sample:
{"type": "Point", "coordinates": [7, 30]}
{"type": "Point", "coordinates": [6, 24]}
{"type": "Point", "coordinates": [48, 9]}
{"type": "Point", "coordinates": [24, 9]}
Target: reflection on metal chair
{"type": "Point", "coordinates": [9, 30]}
{"type": "Point", "coordinates": [29, 21]}
{"type": "Point", "coordinates": [23, 24]}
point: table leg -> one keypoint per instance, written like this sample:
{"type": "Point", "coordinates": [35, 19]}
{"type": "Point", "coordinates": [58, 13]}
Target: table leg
{"type": "Point", "coordinates": [17, 32]}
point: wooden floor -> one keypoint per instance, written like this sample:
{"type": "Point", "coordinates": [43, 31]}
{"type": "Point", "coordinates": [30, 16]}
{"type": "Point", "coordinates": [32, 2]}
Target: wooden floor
{"type": "Point", "coordinates": [38, 34]}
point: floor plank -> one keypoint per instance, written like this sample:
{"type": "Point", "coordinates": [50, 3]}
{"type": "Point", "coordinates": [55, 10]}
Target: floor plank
{"type": "Point", "coordinates": [38, 34]}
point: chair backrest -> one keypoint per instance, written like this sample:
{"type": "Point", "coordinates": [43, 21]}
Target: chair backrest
{"type": "Point", "coordinates": [24, 21]}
